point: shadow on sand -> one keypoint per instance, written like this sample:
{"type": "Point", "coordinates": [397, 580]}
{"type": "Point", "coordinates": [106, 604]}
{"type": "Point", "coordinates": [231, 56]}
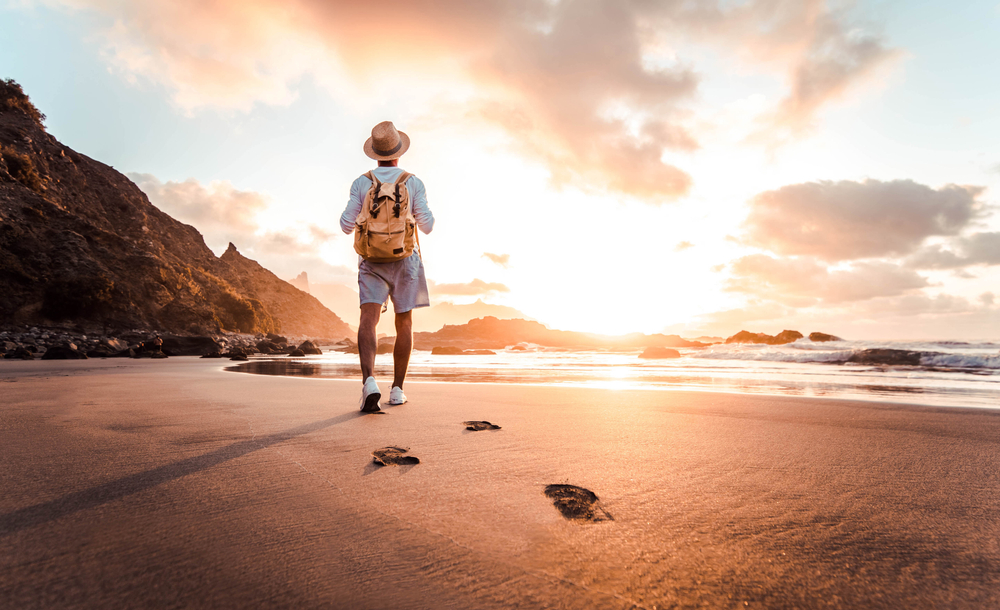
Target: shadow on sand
{"type": "Point", "coordinates": [17, 520]}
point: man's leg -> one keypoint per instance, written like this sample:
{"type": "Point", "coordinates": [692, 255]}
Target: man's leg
{"type": "Point", "coordinates": [401, 350]}
{"type": "Point", "coordinates": [367, 341]}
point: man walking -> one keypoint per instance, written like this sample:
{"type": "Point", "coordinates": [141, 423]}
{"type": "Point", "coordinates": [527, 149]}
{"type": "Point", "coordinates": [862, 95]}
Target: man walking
{"type": "Point", "coordinates": [386, 207]}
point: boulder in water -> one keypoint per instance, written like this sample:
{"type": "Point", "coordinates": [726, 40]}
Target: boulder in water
{"type": "Point", "coordinates": [821, 337]}
{"type": "Point", "coordinates": [660, 352]}
{"type": "Point", "coordinates": [296, 353]}
{"type": "Point", "coordinates": [308, 347]}
{"type": "Point", "coordinates": [447, 351]}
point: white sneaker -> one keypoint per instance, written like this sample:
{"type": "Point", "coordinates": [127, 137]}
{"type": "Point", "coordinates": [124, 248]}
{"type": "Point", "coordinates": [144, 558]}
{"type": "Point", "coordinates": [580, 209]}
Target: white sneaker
{"type": "Point", "coordinates": [396, 396]}
{"type": "Point", "coordinates": [370, 396]}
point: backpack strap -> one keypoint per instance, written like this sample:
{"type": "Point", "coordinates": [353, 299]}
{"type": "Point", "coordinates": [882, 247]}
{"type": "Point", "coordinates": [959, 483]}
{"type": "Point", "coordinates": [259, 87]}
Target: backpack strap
{"type": "Point", "coordinates": [376, 185]}
{"type": "Point", "coordinates": [400, 181]}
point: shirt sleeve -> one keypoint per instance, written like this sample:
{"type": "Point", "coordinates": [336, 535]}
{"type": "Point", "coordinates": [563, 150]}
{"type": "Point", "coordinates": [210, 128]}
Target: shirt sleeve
{"type": "Point", "coordinates": [358, 190]}
{"type": "Point", "coordinates": [421, 212]}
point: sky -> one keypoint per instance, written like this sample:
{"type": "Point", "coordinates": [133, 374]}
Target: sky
{"type": "Point", "coordinates": [599, 165]}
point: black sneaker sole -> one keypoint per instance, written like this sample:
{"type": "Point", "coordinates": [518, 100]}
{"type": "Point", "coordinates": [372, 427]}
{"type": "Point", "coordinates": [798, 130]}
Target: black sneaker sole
{"type": "Point", "coordinates": [371, 404]}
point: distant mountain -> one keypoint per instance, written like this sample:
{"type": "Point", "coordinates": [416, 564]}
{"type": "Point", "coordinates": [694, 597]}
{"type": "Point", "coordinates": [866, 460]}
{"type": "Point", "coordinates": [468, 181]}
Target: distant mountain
{"type": "Point", "coordinates": [301, 281]}
{"type": "Point", "coordinates": [80, 244]}
{"type": "Point", "coordinates": [344, 300]}
{"type": "Point", "coordinates": [440, 315]}
{"type": "Point", "coordinates": [492, 333]}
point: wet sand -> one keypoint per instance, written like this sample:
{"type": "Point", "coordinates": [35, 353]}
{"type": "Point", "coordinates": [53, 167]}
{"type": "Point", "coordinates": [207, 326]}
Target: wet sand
{"type": "Point", "coordinates": [174, 484]}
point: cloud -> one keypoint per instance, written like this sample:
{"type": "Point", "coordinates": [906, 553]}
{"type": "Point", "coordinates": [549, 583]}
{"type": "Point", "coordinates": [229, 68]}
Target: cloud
{"type": "Point", "coordinates": [682, 246]}
{"type": "Point", "coordinates": [846, 220]}
{"type": "Point", "coordinates": [802, 282]}
{"type": "Point", "coordinates": [218, 206]}
{"type": "Point", "coordinates": [597, 90]}
{"type": "Point", "coordinates": [474, 288]}
{"type": "Point", "coordinates": [965, 251]}
{"type": "Point", "coordinates": [836, 59]}
{"type": "Point", "coordinates": [500, 259]}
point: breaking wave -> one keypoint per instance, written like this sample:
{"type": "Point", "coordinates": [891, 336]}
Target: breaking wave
{"type": "Point", "coordinates": [940, 355]}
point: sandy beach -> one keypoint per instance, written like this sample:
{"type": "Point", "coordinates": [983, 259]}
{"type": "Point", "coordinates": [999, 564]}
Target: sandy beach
{"type": "Point", "coordinates": [176, 484]}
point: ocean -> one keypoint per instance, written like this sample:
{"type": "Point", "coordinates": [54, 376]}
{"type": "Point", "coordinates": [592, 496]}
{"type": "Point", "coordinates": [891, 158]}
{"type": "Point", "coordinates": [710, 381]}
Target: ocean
{"type": "Point", "coordinates": [947, 373]}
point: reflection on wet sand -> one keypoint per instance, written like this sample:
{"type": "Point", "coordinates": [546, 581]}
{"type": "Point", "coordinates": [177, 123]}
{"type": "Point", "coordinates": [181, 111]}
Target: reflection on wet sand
{"type": "Point", "coordinates": [797, 381]}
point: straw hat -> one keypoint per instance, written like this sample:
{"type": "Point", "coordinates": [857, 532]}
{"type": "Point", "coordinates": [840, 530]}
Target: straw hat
{"type": "Point", "coordinates": [386, 142]}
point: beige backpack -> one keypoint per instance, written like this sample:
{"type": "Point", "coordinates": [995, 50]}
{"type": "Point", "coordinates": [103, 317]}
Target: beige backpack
{"type": "Point", "coordinates": [385, 230]}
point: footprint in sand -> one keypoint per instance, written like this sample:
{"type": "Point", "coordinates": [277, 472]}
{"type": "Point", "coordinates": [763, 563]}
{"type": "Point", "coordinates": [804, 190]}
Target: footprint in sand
{"type": "Point", "coordinates": [393, 456]}
{"type": "Point", "coordinates": [577, 503]}
{"type": "Point", "coordinates": [476, 426]}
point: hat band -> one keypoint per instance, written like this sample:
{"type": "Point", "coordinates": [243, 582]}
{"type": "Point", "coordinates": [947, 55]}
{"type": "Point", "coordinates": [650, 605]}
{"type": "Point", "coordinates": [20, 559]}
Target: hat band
{"type": "Point", "coordinates": [384, 153]}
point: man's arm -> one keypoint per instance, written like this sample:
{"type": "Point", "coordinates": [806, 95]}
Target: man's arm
{"type": "Point", "coordinates": [358, 190]}
{"type": "Point", "coordinates": [421, 213]}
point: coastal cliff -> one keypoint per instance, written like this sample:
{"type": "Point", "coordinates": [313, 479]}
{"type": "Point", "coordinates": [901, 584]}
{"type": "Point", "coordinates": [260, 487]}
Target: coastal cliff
{"type": "Point", "coordinates": [81, 245]}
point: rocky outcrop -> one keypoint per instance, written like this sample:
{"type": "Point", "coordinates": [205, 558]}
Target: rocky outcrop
{"type": "Point", "coordinates": [785, 336]}
{"type": "Point", "coordinates": [660, 352]}
{"type": "Point", "coordinates": [823, 337]}
{"type": "Point", "coordinates": [80, 244]}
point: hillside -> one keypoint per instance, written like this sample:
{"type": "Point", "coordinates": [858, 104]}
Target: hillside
{"type": "Point", "coordinates": [80, 244]}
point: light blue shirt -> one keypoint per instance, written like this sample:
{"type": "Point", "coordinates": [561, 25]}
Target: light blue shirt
{"type": "Point", "coordinates": [418, 199]}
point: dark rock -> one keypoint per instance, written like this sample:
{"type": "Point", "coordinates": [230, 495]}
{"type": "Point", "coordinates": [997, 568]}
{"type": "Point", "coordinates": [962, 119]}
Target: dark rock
{"type": "Point", "coordinates": [102, 351]}
{"type": "Point", "coordinates": [63, 352]}
{"type": "Point", "coordinates": [660, 352]}
{"type": "Point", "coordinates": [309, 348]}
{"type": "Point", "coordinates": [273, 338]}
{"type": "Point", "coordinates": [577, 503]}
{"type": "Point", "coordinates": [116, 345]}
{"type": "Point", "coordinates": [20, 353]}
{"type": "Point", "coordinates": [478, 425]}
{"type": "Point", "coordinates": [821, 337]}
{"type": "Point", "coordinates": [215, 354]}
{"type": "Point", "coordinates": [891, 357]}
{"type": "Point", "coordinates": [447, 351]}
{"type": "Point", "coordinates": [268, 347]}
{"type": "Point", "coordinates": [125, 353]}
{"type": "Point", "coordinates": [393, 456]}
{"type": "Point", "coordinates": [239, 357]}
{"type": "Point", "coordinates": [385, 348]}
{"type": "Point", "coordinates": [296, 353]}
{"type": "Point", "coordinates": [176, 345]}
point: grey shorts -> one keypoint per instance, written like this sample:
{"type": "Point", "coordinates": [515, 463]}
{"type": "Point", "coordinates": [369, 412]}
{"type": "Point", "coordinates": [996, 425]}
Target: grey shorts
{"type": "Point", "coordinates": [403, 280]}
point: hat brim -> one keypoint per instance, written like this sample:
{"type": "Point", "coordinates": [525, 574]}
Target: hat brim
{"type": "Point", "coordinates": [370, 150]}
